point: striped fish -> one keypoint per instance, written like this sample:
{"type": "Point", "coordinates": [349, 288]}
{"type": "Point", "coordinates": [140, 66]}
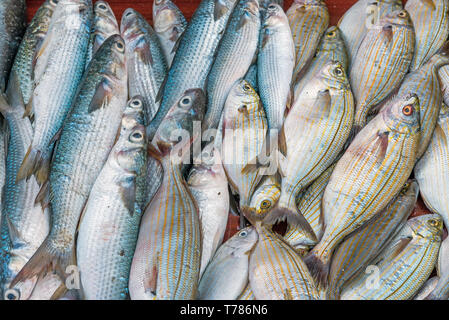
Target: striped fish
{"type": "Point", "coordinates": [426, 84]}
{"type": "Point", "coordinates": [275, 63]}
{"type": "Point", "coordinates": [432, 170]}
{"type": "Point", "coordinates": [277, 272]}
{"type": "Point", "coordinates": [382, 62]}
{"type": "Point", "coordinates": [309, 204]}
{"type": "Point", "coordinates": [360, 17]}
{"type": "Point", "coordinates": [169, 25]}
{"type": "Point", "coordinates": [441, 288]}
{"type": "Point", "coordinates": [315, 130]}
{"type": "Point", "coordinates": [403, 266]}
{"type": "Point", "coordinates": [247, 294]}
{"type": "Point", "coordinates": [105, 25]}
{"type": "Point", "coordinates": [235, 53]}
{"type": "Point", "coordinates": [331, 48]}
{"type": "Point", "coordinates": [308, 21]}
{"type": "Point", "coordinates": [227, 274]}
{"type": "Point", "coordinates": [265, 196]}
{"type": "Point", "coordinates": [369, 174]}
{"type": "Point", "coordinates": [195, 52]}
{"type": "Point", "coordinates": [431, 21]}
{"type": "Point", "coordinates": [356, 251]}
{"type": "Point", "coordinates": [167, 258]}
{"type": "Point", "coordinates": [146, 63]}
{"type": "Point", "coordinates": [244, 131]}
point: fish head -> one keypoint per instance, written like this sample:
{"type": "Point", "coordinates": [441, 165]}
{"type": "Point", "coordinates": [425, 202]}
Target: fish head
{"type": "Point", "coordinates": [334, 77]}
{"type": "Point", "coordinates": [265, 198]}
{"type": "Point", "coordinates": [274, 16]}
{"type": "Point", "coordinates": [243, 242]}
{"type": "Point", "coordinates": [130, 26]}
{"type": "Point", "coordinates": [332, 40]}
{"type": "Point", "coordinates": [166, 16]}
{"type": "Point", "coordinates": [105, 23]}
{"type": "Point", "coordinates": [401, 115]}
{"type": "Point", "coordinates": [398, 18]}
{"type": "Point", "coordinates": [112, 52]}
{"type": "Point", "coordinates": [72, 14]}
{"type": "Point", "coordinates": [133, 113]}
{"type": "Point", "coordinates": [251, 10]}
{"type": "Point", "coordinates": [410, 190]}
{"type": "Point", "coordinates": [428, 226]}
{"type": "Point", "coordinates": [129, 148]}
{"type": "Point", "coordinates": [208, 167]}
{"type": "Point", "coordinates": [242, 100]}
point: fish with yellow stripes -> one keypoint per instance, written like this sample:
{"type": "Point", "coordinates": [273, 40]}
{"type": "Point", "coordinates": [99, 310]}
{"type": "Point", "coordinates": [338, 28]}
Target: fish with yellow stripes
{"type": "Point", "coordinates": [369, 174]}
{"type": "Point", "coordinates": [244, 131]}
{"type": "Point", "coordinates": [356, 251]}
{"type": "Point", "coordinates": [315, 131]}
{"type": "Point", "coordinates": [167, 258]}
{"type": "Point", "coordinates": [360, 17]}
{"type": "Point", "coordinates": [381, 63]}
{"type": "Point", "coordinates": [309, 204]}
{"type": "Point", "coordinates": [265, 196]}
{"type": "Point", "coordinates": [440, 286]}
{"type": "Point", "coordinates": [247, 294]}
{"type": "Point", "coordinates": [426, 84]}
{"type": "Point", "coordinates": [431, 22]}
{"type": "Point", "coordinates": [403, 266]}
{"type": "Point", "coordinates": [331, 48]}
{"type": "Point", "coordinates": [277, 272]}
{"type": "Point", "coordinates": [308, 21]}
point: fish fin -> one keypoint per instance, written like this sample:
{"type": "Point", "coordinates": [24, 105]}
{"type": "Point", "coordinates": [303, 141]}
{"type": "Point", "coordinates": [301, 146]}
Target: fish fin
{"type": "Point", "coordinates": [57, 136]}
{"type": "Point", "coordinates": [387, 33]}
{"type": "Point", "coordinates": [282, 142]}
{"type": "Point", "coordinates": [317, 268]}
{"type": "Point", "coordinates": [151, 284]}
{"type": "Point", "coordinates": [242, 21]}
{"type": "Point", "coordinates": [220, 9]}
{"type": "Point", "coordinates": [153, 152]}
{"type": "Point", "coordinates": [13, 233]}
{"type": "Point", "coordinates": [176, 46]}
{"type": "Point", "coordinates": [282, 165]}
{"type": "Point", "coordinates": [265, 39]}
{"type": "Point", "coordinates": [440, 132]}
{"type": "Point", "coordinates": [399, 246]}
{"type": "Point", "coordinates": [294, 218]}
{"type": "Point", "coordinates": [102, 96]}
{"type": "Point", "coordinates": [383, 142]}
{"type": "Point", "coordinates": [29, 109]}
{"type": "Point", "coordinates": [59, 293]}
{"type": "Point", "coordinates": [429, 3]}
{"type": "Point", "coordinates": [43, 196]}
{"type": "Point", "coordinates": [46, 258]}
{"type": "Point", "coordinates": [160, 93]}
{"type": "Point", "coordinates": [41, 47]}
{"type": "Point", "coordinates": [174, 37]}
{"type": "Point", "coordinates": [128, 194]}
{"type": "Point", "coordinates": [323, 103]}
{"type": "Point", "coordinates": [34, 162]}
{"type": "Point", "coordinates": [144, 53]}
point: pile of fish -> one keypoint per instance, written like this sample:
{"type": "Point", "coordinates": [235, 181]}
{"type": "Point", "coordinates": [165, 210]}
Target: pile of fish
{"type": "Point", "coordinates": [126, 148]}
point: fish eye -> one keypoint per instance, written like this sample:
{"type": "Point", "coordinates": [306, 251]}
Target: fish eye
{"type": "Point", "coordinates": [266, 204]}
{"type": "Point", "coordinates": [407, 110]}
{"type": "Point", "coordinates": [136, 136]}
{"type": "Point", "coordinates": [55, 2]}
{"type": "Point", "coordinates": [246, 87]}
{"type": "Point", "coordinates": [402, 14]}
{"type": "Point", "coordinates": [120, 46]}
{"type": "Point", "coordinates": [102, 6]}
{"type": "Point", "coordinates": [136, 103]}
{"type": "Point", "coordinates": [186, 102]}
{"type": "Point", "coordinates": [433, 223]}
{"type": "Point", "coordinates": [271, 7]}
{"type": "Point", "coordinates": [12, 294]}
{"type": "Point", "coordinates": [243, 233]}
{"type": "Point", "coordinates": [331, 34]}
{"type": "Point", "coordinates": [128, 13]}
{"type": "Point", "coordinates": [159, 1]}
{"type": "Point", "coordinates": [339, 71]}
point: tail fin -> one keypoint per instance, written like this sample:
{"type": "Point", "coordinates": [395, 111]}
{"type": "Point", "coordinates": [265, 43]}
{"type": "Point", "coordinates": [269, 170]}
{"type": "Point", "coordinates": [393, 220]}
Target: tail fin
{"type": "Point", "coordinates": [46, 258]}
{"type": "Point", "coordinates": [35, 162]}
{"type": "Point", "coordinates": [319, 269]}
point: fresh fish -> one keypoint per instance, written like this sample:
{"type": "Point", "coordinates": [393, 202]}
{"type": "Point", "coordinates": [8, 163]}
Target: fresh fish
{"type": "Point", "coordinates": [195, 52]}
{"type": "Point", "coordinates": [109, 226]}
{"type": "Point", "coordinates": [169, 25]}
{"type": "Point", "coordinates": [331, 48]}
{"type": "Point", "coordinates": [431, 22]}
{"type": "Point", "coordinates": [24, 225]}
{"type": "Point", "coordinates": [105, 25]}
{"type": "Point", "coordinates": [382, 62]}
{"type": "Point", "coordinates": [209, 186]}
{"type": "Point", "coordinates": [226, 276]}
{"type": "Point", "coordinates": [251, 77]}
{"type": "Point", "coordinates": [315, 130]}
{"type": "Point", "coordinates": [12, 28]}
{"type": "Point", "coordinates": [234, 55]}
{"type": "Point", "coordinates": [275, 63]}
{"type": "Point", "coordinates": [403, 266]}
{"type": "Point", "coordinates": [309, 204]}
{"type": "Point", "coordinates": [369, 174]}
{"type": "Point", "coordinates": [247, 294]}
{"type": "Point", "coordinates": [427, 288]}
{"type": "Point", "coordinates": [426, 84]}
{"type": "Point", "coordinates": [147, 66]}
{"type": "Point", "coordinates": [87, 137]}
{"type": "Point", "coordinates": [360, 17]}
{"type": "Point", "coordinates": [432, 170]}
{"type": "Point", "coordinates": [441, 289]}
{"type": "Point", "coordinates": [356, 251]}
{"type": "Point", "coordinates": [22, 76]}
{"type": "Point", "coordinates": [61, 61]}
{"type": "Point", "coordinates": [167, 259]}
{"type": "Point", "coordinates": [308, 21]}
{"type": "Point", "coordinates": [265, 196]}
{"type": "Point", "coordinates": [277, 272]}
{"type": "Point", "coordinates": [244, 131]}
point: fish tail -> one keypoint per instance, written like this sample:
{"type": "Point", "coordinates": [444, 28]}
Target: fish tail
{"type": "Point", "coordinates": [35, 162]}
{"type": "Point", "coordinates": [318, 267]}
{"type": "Point", "coordinates": [46, 258]}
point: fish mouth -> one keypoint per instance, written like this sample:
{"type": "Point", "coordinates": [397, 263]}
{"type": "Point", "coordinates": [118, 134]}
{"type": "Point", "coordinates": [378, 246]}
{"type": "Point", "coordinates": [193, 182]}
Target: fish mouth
{"type": "Point", "coordinates": [252, 6]}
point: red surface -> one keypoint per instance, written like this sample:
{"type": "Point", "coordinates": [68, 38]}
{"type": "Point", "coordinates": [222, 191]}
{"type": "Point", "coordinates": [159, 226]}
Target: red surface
{"type": "Point", "coordinates": [336, 8]}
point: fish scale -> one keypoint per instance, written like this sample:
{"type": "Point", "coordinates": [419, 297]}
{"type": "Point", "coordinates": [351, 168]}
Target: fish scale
{"type": "Point", "coordinates": [308, 21]}
{"type": "Point", "coordinates": [357, 250]}
{"type": "Point", "coordinates": [402, 270]}
{"type": "Point", "coordinates": [235, 53]}
{"type": "Point", "coordinates": [430, 37]}
{"type": "Point", "coordinates": [194, 56]}
{"type": "Point", "coordinates": [368, 175]}
{"type": "Point", "coordinates": [382, 63]}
